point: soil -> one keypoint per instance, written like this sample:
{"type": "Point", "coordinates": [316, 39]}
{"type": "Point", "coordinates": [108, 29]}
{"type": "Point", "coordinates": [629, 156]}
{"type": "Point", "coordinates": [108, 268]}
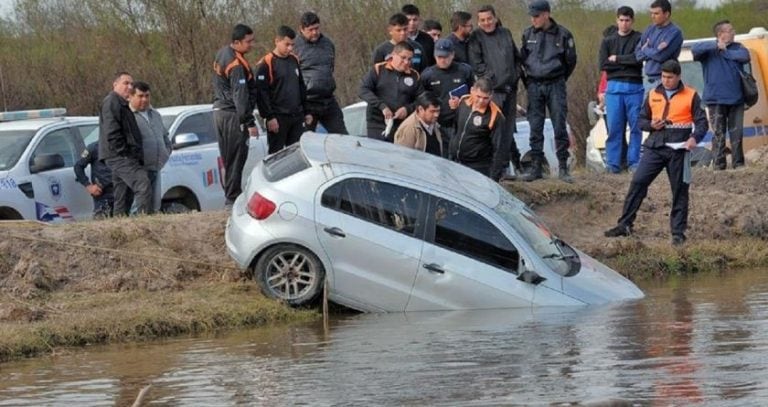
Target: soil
{"type": "Point", "coordinates": [172, 252]}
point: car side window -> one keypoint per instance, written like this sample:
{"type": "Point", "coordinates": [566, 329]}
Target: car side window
{"type": "Point", "coordinates": [466, 232]}
{"type": "Point", "coordinates": [59, 142]}
{"type": "Point", "coordinates": [392, 206]}
{"type": "Point", "coordinates": [89, 133]}
{"type": "Point", "coordinates": [200, 124]}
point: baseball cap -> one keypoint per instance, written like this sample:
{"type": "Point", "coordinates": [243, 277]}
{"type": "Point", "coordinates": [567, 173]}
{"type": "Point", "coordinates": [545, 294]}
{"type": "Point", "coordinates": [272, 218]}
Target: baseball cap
{"type": "Point", "coordinates": [537, 7]}
{"type": "Point", "coordinates": [443, 47]}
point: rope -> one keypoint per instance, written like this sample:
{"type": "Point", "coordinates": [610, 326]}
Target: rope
{"type": "Point", "coordinates": [118, 251]}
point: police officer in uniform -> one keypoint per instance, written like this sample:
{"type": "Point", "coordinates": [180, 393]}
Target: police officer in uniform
{"type": "Point", "coordinates": [549, 58]}
{"type": "Point", "coordinates": [100, 185]}
{"type": "Point", "coordinates": [673, 115]}
{"type": "Point", "coordinates": [390, 88]}
{"type": "Point", "coordinates": [480, 141]}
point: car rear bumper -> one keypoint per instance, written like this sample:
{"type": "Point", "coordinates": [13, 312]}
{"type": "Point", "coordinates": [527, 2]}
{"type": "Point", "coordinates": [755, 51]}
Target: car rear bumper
{"type": "Point", "coordinates": [244, 235]}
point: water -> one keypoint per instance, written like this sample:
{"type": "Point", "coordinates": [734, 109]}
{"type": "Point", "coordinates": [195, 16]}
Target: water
{"type": "Point", "coordinates": [699, 340]}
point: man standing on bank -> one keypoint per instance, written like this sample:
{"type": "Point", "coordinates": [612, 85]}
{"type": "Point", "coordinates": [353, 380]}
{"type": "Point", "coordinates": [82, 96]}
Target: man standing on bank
{"type": "Point", "coordinates": [661, 41]}
{"type": "Point", "coordinates": [673, 115]}
{"type": "Point", "coordinates": [120, 146]}
{"type": "Point", "coordinates": [234, 98]}
{"type": "Point", "coordinates": [317, 58]}
{"type": "Point", "coordinates": [494, 55]}
{"type": "Point", "coordinates": [549, 58]}
{"type": "Point", "coordinates": [281, 92]}
{"type": "Point", "coordinates": [722, 61]}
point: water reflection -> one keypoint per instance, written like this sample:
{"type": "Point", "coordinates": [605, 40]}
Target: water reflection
{"type": "Point", "coordinates": [697, 340]}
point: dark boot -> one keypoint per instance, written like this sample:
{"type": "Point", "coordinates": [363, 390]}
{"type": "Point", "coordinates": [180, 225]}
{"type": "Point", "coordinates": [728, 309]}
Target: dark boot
{"type": "Point", "coordinates": [534, 172]}
{"type": "Point", "coordinates": [564, 175]}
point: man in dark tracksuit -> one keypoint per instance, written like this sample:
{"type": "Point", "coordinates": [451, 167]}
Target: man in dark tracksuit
{"type": "Point", "coordinates": [397, 30]}
{"type": "Point", "coordinates": [493, 55]}
{"type": "Point", "coordinates": [120, 147]}
{"type": "Point", "coordinates": [100, 185]}
{"type": "Point", "coordinates": [480, 141]}
{"type": "Point", "coordinates": [234, 99]}
{"type": "Point", "coordinates": [549, 58]}
{"type": "Point", "coordinates": [281, 94]}
{"type": "Point", "coordinates": [443, 78]}
{"type": "Point", "coordinates": [673, 115]}
{"type": "Point", "coordinates": [390, 89]}
{"type": "Point", "coordinates": [317, 57]}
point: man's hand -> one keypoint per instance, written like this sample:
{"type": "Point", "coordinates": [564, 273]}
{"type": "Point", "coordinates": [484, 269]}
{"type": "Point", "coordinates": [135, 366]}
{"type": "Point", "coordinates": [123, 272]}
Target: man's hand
{"type": "Point", "coordinates": [612, 58]}
{"type": "Point", "coordinates": [453, 103]}
{"type": "Point", "coordinates": [721, 45]}
{"type": "Point", "coordinates": [690, 144]}
{"type": "Point", "coordinates": [387, 113]}
{"type": "Point", "coordinates": [662, 45]}
{"type": "Point", "coordinates": [253, 132]}
{"type": "Point", "coordinates": [273, 126]}
{"type": "Point", "coordinates": [401, 113]}
{"type": "Point", "coordinates": [93, 189]}
{"type": "Point", "coordinates": [658, 124]}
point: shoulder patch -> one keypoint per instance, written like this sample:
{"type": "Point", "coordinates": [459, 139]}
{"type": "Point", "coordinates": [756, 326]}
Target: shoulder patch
{"type": "Point", "coordinates": [85, 153]}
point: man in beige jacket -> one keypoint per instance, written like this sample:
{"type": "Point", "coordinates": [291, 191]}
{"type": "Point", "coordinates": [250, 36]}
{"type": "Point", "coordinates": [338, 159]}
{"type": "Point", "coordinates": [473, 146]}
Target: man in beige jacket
{"type": "Point", "coordinates": [420, 130]}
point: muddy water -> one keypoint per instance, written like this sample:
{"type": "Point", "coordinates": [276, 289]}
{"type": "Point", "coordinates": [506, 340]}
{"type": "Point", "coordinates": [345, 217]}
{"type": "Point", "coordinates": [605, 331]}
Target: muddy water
{"type": "Point", "coordinates": [702, 339]}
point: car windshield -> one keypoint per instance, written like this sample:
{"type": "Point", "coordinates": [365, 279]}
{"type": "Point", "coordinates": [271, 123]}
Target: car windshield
{"type": "Point", "coordinates": [563, 259]}
{"type": "Point", "coordinates": [168, 120]}
{"type": "Point", "coordinates": [12, 145]}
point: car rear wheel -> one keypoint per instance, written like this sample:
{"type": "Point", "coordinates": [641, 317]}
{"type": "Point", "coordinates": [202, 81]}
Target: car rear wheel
{"type": "Point", "coordinates": [290, 273]}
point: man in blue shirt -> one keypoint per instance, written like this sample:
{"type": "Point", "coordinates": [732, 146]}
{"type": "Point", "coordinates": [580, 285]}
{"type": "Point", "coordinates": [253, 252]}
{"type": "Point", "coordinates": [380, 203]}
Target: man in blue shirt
{"type": "Point", "coordinates": [660, 42]}
{"type": "Point", "coordinates": [721, 60]}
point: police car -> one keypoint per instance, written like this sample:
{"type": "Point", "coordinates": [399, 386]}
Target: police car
{"type": "Point", "coordinates": [38, 150]}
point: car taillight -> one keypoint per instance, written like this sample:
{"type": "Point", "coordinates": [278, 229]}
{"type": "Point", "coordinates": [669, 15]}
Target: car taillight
{"type": "Point", "coordinates": [259, 207]}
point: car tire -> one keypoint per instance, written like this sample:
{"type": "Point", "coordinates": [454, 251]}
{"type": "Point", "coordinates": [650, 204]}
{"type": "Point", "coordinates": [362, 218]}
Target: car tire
{"type": "Point", "coordinates": [175, 207]}
{"type": "Point", "coordinates": [291, 274]}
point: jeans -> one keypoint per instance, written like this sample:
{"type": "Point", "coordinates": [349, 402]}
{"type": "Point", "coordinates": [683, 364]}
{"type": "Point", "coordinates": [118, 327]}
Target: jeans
{"type": "Point", "coordinates": [728, 118]}
{"type": "Point", "coordinates": [623, 101]}
{"type": "Point", "coordinates": [543, 96]}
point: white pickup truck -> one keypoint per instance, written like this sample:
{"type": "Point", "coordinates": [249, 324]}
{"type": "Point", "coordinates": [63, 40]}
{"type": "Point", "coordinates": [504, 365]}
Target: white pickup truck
{"type": "Point", "coordinates": [38, 150]}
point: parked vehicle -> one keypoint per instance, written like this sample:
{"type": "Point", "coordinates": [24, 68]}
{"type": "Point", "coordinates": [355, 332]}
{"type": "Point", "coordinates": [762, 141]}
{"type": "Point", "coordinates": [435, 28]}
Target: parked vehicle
{"type": "Point", "coordinates": [354, 119]}
{"type": "Point", "coordinates": [755, 118]}
{"type": "Point", "coordinates": [47, 191]}
{"type": "Point", "coordinates": [392, 229]}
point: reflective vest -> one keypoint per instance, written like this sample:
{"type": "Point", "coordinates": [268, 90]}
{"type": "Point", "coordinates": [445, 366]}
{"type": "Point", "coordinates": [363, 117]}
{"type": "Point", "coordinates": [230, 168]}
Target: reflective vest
{"type": "Point", "coordinates": [677, 109]}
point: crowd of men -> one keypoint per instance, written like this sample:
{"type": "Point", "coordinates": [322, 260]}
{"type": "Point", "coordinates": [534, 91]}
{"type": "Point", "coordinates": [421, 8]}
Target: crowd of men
{"type": "Point", "coordinates": [456, 97]}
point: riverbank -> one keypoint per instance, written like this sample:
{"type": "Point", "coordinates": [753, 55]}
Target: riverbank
{"type": "Point", "coordinates": [157, 276]}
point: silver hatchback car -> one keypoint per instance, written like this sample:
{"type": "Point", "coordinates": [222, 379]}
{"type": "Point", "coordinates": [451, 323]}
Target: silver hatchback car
{"type": "Point", "coordinates": [391, 229]}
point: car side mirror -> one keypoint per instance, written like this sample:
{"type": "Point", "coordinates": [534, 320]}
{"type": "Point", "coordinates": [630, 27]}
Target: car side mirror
{"type": "Point", "coordinates": [46, 162]}
{"type": "Point", "coordinates": [182, 140]}
{"type": "Point", "coordinates": [529, 276]}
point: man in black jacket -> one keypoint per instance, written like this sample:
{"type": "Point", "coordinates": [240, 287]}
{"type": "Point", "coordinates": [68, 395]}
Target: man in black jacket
{"type": "Point", "coordinates": [461, 29]}
{"type": "Point", "coordinates": [624, 93]}
{"type": "Point", "coordinates": [549, 58]}
{"type": "Point", "coordinates": [493, 55]}
{"type": "Point", "coordinates": [234, 99]}
{"type": "Point", "coordinates": [317, 56]}
{"type": "Point", "coordinates": [100, 185]}
{"type": "Point", "coordinates": [281, 93]}
{"type": "Point", "coordinates": [120, 147]}
{"type": "Point", "coordinates": [426, 42]}
{"type": "Point", "coordinates": [479, 141]}
{"type": "Point", "coordinates": [397, 29]}
{"type": "Point", "coordinates": [390, 88]}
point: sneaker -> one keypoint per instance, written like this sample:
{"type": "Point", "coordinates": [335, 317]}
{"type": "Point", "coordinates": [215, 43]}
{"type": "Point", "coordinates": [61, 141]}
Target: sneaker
{"type": "Point", "coordinates": [678, 240]}
{"type": "Point", "coordinates": [565, 176]}
{"type": "Point", "coordinates": [618, 230]}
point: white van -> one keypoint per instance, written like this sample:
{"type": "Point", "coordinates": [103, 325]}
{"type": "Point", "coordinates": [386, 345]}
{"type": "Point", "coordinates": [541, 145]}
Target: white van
{"type": "Point", "coordinates": [755, 118]}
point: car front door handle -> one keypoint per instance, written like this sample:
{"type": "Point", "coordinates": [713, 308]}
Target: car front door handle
{"type": "Point", "coordinates": [434, 268]}
{"type": "Point", "coordinates": [334, 231]}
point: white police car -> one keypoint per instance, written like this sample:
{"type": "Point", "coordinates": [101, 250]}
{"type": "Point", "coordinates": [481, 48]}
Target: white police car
{"type": "Point", "coordinates": [38, 152]}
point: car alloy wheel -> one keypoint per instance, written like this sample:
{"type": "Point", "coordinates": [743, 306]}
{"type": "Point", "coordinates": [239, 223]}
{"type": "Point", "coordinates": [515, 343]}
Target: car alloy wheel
{"type": "Point", "coordinates": [290, 273]}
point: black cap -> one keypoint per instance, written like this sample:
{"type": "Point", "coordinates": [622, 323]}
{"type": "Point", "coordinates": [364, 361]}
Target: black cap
{"type": "Point", "coordinates": [537, 7]}
{"type": "Point", "coordinates": [443, 47]}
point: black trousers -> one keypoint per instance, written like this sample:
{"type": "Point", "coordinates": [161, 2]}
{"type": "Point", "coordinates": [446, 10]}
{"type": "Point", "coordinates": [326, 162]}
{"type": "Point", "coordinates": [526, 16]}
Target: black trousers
{"type": "Point", "coordinates": [131, 182]}
{"type": "Point", "coordinates": [233, 148]}
{"type": "Point", "coordinates": [329, 115]}
{"type": "Point", "coordinates": [289, 132]}
{"type": "Point", "coordinates": [652, 162]}
{"type": "Point", "coordinates": [507, 101]}
{"type": "Point", "coordinates": [727, 119]}
{"type": "Point", "coordinates": [552, 96]}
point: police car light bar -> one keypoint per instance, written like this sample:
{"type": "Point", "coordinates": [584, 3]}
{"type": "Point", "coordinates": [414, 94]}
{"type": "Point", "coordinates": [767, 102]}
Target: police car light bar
{"type": "Point", "coordinates": [32, 114]}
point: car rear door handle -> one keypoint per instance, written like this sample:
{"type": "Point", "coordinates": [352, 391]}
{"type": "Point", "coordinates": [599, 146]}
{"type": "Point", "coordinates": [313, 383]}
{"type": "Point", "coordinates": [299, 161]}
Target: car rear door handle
{"type": "Point", "coordinates": [434, 268]}
{"type": "Point", "coordinates": [334, 231]}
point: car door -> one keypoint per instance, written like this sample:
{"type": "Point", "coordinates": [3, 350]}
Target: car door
{"type": "Point", "coordinates": [58, 196]}
{"type": "Point", "coordinates": [467, 263]}
{"type": "Point", "coordinates": [370, 230]}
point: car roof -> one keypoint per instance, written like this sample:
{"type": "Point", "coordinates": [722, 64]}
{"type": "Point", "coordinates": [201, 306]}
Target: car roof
{"type": "Point", "coordinates": [177, 110]}
{"type": "Point", "coordinates": [37, 124]}
{"type": "Point", "coordinates": [412, 165]}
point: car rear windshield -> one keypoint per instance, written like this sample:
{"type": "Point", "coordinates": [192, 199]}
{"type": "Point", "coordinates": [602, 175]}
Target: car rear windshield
{"type": "Point", "coordinates": [284, 163]}
{"type": "Point", "coordinates": [12, 146]}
